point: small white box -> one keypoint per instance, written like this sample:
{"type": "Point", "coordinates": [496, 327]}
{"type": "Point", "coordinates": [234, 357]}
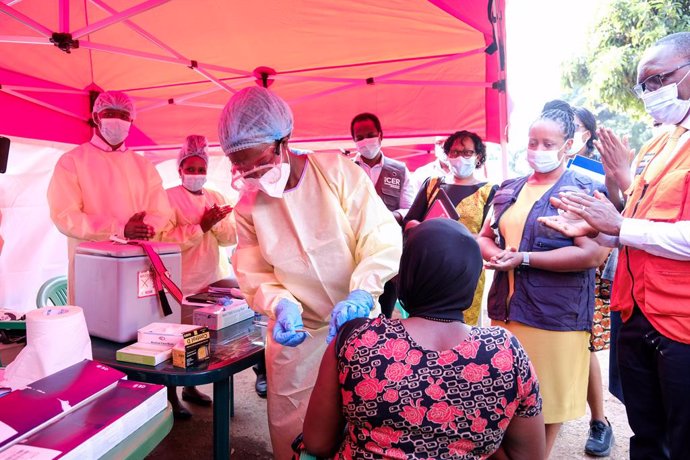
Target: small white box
{"type": "Point", "coordinates": [218, 316]}
{"type": "Point", "coordinates": [114, 287]}
{"type": "Point", "coordinates": [164, 333]}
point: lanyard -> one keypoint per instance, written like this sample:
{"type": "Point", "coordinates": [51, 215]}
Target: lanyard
{"type": "Point", "coordinates": [161, 277]}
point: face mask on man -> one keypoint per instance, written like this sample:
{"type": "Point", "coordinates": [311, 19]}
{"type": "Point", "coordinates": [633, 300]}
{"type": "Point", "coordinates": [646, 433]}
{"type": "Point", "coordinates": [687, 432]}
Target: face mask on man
{"type": "Point", "coordinates": [193, 182]}
{"type": "Point", "coordinates": [369, 147]}
{"type": "Point", "coordinates": [114, 130]}
{"type": "Point", "coordinates": [463, 167]}
{"type": "Point", "coordinates": [664, 106]}
{"type": "Point", "coordinates": [543, 161]}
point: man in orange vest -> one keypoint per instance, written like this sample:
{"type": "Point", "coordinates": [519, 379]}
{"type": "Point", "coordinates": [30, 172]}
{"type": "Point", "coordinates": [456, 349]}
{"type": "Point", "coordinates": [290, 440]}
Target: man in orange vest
{"type": "Point", "coordinates": [652, 283]}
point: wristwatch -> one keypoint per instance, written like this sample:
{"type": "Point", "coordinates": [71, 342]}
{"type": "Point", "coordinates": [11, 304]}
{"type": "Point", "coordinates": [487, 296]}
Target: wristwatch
{"type": "Point", "coordinates": [525, 259]}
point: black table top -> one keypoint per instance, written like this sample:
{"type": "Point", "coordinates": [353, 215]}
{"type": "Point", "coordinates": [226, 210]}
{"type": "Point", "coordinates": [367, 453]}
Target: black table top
{"type": "Point", "coordinates": [233, 349]}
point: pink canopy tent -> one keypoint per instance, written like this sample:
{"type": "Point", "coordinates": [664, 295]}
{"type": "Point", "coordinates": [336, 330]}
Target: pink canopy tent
{"type": "Point", "coordinates": [425, 67]}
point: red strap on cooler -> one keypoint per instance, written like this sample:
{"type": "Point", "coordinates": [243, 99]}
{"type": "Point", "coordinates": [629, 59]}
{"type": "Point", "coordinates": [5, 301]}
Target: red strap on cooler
{"type": "Point", "coordinates": [160, 277]}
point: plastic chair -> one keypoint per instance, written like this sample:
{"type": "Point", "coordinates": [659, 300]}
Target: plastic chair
{"type": "Point", "coordinates": [53, 292]}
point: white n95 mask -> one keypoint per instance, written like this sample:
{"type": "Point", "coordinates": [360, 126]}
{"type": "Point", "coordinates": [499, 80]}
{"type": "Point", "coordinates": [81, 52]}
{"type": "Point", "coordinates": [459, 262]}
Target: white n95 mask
{"type": "Point", "coordinates": [664, 106]}
{"type": "Point", "coordinates": [463, 167]}
{"type": "Point", "coordinates": [543, 161]}
{"type": "Point", "coordinates": [114, 130]}
{"type": "Point", "coordinates": [193, 182]}
{"type": "Point", "coordinates": [369, 147]}
{"type": "Point", "coordinates": [273, 182]}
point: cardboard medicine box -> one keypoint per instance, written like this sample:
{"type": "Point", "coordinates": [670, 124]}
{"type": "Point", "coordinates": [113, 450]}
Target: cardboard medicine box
{"type": "Point", "coordinates": [219, 316]}
{"type": "Point", "coordinates": [193, 349]}
{"type": "Point", "coordinates": [163, 333]}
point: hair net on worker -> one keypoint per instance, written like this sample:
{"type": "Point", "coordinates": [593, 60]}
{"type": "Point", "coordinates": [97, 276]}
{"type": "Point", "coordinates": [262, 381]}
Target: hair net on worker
{"type": "Point", "coordinates": [253, 116]}
{"type": "Point", "coordinates": [194, 146]}
{"type": "Point", "coordinates": [114, 100]}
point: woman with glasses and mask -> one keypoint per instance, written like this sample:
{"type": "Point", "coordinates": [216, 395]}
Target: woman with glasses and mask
{"type": "Point", "coordinates": [315, 245]}
{"type": "Point", "coordinates": [543, 287]}
{"type": "Point", "coordinates": [470, 196]}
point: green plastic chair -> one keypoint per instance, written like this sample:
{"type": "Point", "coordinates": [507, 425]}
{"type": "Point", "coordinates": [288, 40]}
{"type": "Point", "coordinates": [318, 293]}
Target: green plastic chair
{"type": "Point", "coordinates": [404, 314]}
{"type": "Point", "coordinates": [53, 292]}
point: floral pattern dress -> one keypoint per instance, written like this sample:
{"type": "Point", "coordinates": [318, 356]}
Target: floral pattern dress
{"type": "Point", "coordinates": [402, 401]}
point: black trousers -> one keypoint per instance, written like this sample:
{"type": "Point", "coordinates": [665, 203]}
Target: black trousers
{"type": "Point", "coordinates": [655, 374]}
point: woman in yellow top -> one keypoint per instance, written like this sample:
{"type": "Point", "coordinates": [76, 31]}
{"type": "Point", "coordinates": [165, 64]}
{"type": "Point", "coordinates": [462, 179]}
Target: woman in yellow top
{"type": "Point", "coordinates": [471, 197]}
{"type": "Point", "coordinates": [543, 288]}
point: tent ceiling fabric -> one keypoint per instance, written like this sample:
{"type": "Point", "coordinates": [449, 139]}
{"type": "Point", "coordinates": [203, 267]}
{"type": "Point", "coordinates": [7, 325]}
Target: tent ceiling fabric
{"type": "Point", "coordinates": [181, 60]}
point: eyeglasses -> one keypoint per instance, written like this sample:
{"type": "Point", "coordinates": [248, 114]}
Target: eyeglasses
{"type": "Point", "coordinates": [265, 160]}
{"type": "Point", "coordinates": [654, 82]}
{"type": "Point", "coordinates": [461, 153]}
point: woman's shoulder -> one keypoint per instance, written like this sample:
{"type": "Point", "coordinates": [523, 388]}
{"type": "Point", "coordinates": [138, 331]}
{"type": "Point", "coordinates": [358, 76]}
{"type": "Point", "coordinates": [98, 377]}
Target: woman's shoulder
{"type": "Point", "coordinates": [358, 327]}
{"type": "Point", "coordinates": [495, 334]}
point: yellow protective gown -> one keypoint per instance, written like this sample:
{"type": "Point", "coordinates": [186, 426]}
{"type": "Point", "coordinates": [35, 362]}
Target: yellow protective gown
{"type": "Point", "coordinates": [203, 259]}
{"type": "Point", "coordinates": [329, 235]}
{"type": "Point", "coordinates": [94, 191]}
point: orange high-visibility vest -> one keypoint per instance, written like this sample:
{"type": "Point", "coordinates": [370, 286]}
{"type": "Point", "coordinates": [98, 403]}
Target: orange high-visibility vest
{"type": "Point", "coordinates": [660, 287]}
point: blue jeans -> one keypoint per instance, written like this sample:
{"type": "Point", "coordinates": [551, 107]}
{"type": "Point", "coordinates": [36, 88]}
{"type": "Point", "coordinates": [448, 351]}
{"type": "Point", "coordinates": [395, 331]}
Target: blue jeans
{"type": "Point", "coordinates": [655, 373]}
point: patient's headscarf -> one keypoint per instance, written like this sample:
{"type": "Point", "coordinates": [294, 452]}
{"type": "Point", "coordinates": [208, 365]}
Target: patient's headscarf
{"type": "Point", "coordinates": [439, 270]}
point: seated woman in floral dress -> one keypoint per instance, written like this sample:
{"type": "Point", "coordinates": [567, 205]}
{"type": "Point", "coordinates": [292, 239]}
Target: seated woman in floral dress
{"type": "Point", "coordinates": [428, 386]}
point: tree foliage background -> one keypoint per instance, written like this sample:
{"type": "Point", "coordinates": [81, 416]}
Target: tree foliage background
{"type": "Point", "coordinates": [601, 79]}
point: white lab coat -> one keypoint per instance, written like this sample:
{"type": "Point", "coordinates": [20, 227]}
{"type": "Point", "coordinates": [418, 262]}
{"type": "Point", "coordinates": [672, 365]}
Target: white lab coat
{"type": "Point", "coordinates": [203, 259]}
{"type": "Point", "coordinates": [94, 191]}
{"type": "Point", "coordinates": [329, 235]}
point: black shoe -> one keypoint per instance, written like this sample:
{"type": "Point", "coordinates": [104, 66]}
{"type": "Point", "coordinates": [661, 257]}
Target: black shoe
{"type": "Point", "coordinates": [194, 396]}
{"type": "Point", "coordinates": [260, 386]}
{"type": "Point", "coordinates": [179, 411]}
{"type": "Point", "coordinates": [600, 440]}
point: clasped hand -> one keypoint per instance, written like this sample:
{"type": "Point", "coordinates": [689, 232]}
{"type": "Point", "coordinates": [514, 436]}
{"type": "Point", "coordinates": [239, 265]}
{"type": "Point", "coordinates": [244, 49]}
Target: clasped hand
{"type": "Point", "coordinates": [213, 215]}
{"type": "Point", "coordinates": [584, 215]}
{"type": "Point", "coordinates": [137, 229]}
{"type": "Point", "coordinates": [504, 261]}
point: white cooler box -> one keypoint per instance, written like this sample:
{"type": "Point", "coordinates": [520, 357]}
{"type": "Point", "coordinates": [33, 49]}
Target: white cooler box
{"type": "Point", "coordinates": [114, 287]}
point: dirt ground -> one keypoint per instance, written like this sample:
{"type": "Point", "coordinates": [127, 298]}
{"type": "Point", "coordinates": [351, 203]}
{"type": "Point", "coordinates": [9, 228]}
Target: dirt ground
{"type": "Point", "coordinates": [192, 439]}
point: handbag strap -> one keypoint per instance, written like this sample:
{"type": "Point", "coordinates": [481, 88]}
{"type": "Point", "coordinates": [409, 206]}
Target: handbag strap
{"type": "Point", "coordinates": [161, 277]}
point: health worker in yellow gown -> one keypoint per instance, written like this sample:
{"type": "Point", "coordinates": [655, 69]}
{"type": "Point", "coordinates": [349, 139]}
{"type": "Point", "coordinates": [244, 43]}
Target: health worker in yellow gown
{"type": "Point", "coordinates": [203, 223]}
{"type": "Point", "coordinates": [101, 188]}
{"type": "Point", "coordinates": [315, 246]}
{"type": "Point", "coordinates": [202, 227]}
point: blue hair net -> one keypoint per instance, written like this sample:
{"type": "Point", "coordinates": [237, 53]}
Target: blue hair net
{"type": "Point", "coordinates": [114, 100]}
{"type": "Point", "coordinates": [253, 116]}
{"type": "Point", "coordinates": [194, 146]}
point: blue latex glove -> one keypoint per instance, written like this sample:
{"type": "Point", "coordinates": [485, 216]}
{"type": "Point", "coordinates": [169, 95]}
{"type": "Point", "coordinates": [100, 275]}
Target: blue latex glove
{"type": "Point", "coordinates": [357, 305]}
{"type": "Point", "coordinates": [288, 318]}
